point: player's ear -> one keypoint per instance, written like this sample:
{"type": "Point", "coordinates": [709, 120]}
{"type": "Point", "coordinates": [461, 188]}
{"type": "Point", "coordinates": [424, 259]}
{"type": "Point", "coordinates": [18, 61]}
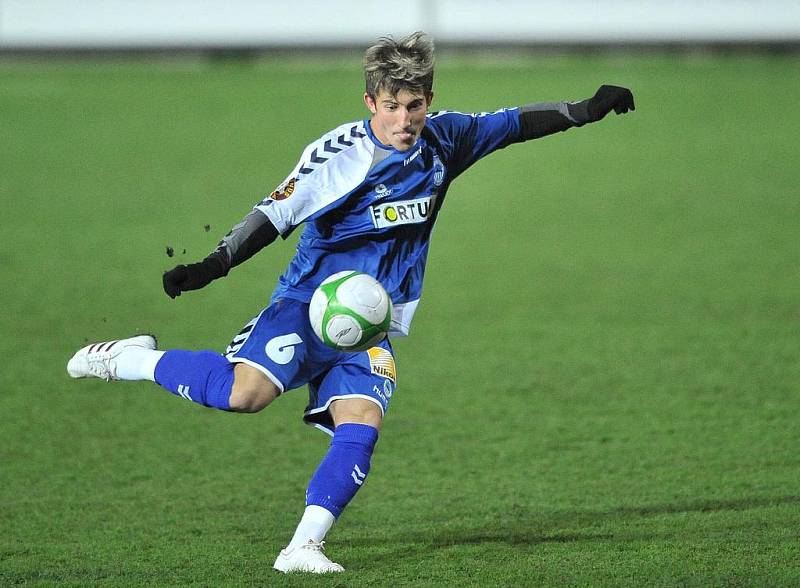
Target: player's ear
{"type": "Point", "coordinates": [429, 98]}
{"type": "Point", "coordinates": [370, 102]}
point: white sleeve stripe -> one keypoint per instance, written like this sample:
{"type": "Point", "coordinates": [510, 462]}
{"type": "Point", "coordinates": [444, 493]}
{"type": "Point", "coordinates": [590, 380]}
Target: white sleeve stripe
{"type": "Point", "coordinates": [316, 157]}
{"type": "Point", "coordinates": [330, 169]}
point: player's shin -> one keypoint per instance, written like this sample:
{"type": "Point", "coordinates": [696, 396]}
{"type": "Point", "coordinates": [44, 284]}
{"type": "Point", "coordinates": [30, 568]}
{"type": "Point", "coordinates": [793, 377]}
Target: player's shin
{"type": "Point", "coordinates": [337, 479]}
{"type": "Point", "coordinates": [204, 377]}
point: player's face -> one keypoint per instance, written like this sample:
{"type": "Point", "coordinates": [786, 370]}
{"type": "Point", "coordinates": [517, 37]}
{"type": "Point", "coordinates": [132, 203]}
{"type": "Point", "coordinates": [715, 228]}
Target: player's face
{"type": "Point", "coordinates": [398, 120]}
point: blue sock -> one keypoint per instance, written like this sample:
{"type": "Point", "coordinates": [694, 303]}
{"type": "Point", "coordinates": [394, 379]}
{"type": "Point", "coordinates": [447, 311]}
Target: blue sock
{"type": "Point", "coordinates": [343, 469]}
{"type": "Point", "coordinates": [204, 377]}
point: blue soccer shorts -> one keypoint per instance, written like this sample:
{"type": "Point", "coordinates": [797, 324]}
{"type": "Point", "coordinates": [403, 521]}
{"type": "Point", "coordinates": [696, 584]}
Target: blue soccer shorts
{"type": "Point", "coordinates": [281, 344]}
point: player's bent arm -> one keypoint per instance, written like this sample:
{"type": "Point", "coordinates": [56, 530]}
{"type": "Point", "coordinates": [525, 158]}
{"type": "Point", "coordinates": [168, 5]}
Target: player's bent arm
{"type": "Point", "coordinates": [243, 241]}
{"type": "Point", "coordinates": [540, 120]}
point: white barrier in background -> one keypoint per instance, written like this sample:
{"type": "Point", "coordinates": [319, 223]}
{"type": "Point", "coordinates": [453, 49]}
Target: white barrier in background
{"type": "Point", "coordinates": [622, 20]}
{"type": "Point", "coordinates": [251, 23]}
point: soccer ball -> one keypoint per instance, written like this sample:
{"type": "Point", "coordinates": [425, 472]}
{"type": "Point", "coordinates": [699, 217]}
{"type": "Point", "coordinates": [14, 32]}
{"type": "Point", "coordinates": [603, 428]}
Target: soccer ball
{"type": "Point", "coordinates": [350, 311]}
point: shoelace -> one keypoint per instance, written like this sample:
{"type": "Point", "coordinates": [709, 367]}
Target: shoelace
{"type": "Point", "coordinates": [102, 366]}
{"type": "Point", "coordinates": [315, 546]}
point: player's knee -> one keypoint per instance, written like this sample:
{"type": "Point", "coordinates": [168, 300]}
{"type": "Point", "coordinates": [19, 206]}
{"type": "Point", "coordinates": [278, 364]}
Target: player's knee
{"type": "Point", "coordinates": [248, 400]}
{"type": "Point", "coordinates": [252, 391]}
{"type": "Point", "coordinates": [356, 410]}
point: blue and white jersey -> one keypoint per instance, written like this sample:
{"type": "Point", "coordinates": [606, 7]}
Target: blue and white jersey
{"type": "Point", "coordinates": [371, 208]}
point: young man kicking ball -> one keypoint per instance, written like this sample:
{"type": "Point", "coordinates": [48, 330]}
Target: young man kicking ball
{"type": "Point", "coordinates": [368, 193]}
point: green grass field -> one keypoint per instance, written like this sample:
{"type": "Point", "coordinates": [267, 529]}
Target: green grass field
{"type": "Point", "coordinates": [602, 387]}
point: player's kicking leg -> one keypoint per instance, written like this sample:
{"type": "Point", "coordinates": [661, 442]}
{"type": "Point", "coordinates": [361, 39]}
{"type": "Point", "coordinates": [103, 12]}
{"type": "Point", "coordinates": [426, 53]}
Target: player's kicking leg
{"type": "Point", "coordinates": [338, 477]}
{"type": "Point", "coordinates": [204, 377]}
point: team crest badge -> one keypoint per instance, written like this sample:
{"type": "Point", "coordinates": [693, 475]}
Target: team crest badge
{"type": "Point", "coordinates": [283, 191]}
{"type": "Point", "coordinates": [438, 171]}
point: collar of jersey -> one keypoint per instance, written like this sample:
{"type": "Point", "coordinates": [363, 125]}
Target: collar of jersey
{"type": "Point", "coordinates": [381, 145]}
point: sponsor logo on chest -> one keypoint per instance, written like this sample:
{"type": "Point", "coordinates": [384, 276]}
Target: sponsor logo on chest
{"type": "Point", "coordinates": [402, 212]}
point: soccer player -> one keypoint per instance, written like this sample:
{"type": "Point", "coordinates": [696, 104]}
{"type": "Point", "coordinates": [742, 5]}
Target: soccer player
{"type": "Point", "coordinates": [368, 194]}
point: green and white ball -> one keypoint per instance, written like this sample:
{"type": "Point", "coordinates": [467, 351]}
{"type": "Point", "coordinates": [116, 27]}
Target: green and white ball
{"type": "Point", "coordinates": [350, 311]}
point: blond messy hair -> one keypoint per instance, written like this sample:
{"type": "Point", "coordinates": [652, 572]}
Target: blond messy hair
{"type": "Point", "coordinates": [406, 64]}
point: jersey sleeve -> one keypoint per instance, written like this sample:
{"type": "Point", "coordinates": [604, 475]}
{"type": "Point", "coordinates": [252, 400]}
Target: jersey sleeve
{"type": "Point", "coordinates": [329, 169]}
{"type": "Point", "coordinates": [468, 137]}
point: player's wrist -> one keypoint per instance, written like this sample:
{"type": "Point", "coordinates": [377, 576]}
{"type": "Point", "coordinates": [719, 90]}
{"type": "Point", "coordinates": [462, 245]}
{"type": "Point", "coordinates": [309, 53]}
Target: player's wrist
{"type": "Point", "coordinates": [213, 266]}
{"type": "Point", "coordinates": [579, 111]}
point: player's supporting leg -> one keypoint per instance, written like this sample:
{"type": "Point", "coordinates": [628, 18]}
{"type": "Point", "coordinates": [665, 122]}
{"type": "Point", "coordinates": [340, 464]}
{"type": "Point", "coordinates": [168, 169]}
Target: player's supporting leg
{"type": "Point", "coordinates": [204, 377]}
{"type": "Point", "coordinates": [334, 484]}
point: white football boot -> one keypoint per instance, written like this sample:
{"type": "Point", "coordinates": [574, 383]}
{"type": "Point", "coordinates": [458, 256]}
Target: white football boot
{"type": "Point", "coordinates": [98, 360]}
{"type": "Point", "coordinates": [306, 558]}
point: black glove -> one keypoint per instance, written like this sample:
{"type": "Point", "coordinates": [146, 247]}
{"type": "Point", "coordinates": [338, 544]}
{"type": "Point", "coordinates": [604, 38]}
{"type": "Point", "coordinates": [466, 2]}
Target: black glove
{"type": "Point", "coordinates": [191, 277]}
{"type": "Point", "coordinates": [606, 99]}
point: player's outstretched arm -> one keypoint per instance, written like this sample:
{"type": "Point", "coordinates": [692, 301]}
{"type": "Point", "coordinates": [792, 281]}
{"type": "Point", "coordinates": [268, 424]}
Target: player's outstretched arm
{"type": "Point", "coordinates": [540, 120]}
{"type": "Point", "coordinates": [246, 239]}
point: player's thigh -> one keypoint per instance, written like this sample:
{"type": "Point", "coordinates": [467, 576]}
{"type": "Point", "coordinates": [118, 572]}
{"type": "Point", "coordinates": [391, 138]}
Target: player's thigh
{"type": "Point", "coordinates": [275, 352]}
{"type": "Point", "coordinates": [278, 344]}
{"type": "Point", "coordinates": [356, 410]}
{"type": "Point", "coordinates": [358, 388]}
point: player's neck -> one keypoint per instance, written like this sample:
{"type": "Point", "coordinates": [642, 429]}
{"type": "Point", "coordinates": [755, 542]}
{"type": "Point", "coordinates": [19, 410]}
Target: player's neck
{"type": "Point", "coordinates": [376, 134]}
